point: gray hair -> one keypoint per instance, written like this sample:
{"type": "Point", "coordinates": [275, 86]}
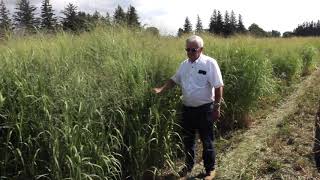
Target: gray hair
{"type": "Point", "coordinates": [195, 38]}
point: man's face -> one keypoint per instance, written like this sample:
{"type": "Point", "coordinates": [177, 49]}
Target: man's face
{"type": "Point", "coordinates": [193, 50]}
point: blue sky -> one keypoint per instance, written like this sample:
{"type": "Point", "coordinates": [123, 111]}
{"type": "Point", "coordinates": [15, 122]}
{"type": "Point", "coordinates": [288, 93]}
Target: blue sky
{"type": "Point", "coordinates": [169, 15]}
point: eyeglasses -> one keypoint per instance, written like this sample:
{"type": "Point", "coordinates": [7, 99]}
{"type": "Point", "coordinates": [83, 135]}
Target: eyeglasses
{"type": "Point", "coordinates": [192, 49]}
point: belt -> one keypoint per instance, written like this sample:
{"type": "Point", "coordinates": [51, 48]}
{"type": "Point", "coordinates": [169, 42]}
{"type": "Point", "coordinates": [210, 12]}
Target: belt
{"type": "Point", "coordinates": [203, 106]}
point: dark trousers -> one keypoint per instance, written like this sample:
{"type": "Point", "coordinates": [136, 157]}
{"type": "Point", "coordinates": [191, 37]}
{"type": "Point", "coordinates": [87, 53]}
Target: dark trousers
{"type": "Point", "coordinates": [198, 119]}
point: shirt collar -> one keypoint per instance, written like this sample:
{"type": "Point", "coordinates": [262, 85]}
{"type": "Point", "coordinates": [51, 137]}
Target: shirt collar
{"type": "Point", "coordinates": [197, 60]}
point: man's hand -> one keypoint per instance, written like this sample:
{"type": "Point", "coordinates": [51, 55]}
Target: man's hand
{"type": "Point", "coordinates": [216, 114]}
{"type": "Point", "coordinates": [168, 85]}
{"type": "Point", "coordinates": [157, 90]}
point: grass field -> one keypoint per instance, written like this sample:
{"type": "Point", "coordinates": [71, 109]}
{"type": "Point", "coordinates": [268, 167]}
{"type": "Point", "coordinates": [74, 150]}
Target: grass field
{"type": "Point", "coordinates": [81, 106]}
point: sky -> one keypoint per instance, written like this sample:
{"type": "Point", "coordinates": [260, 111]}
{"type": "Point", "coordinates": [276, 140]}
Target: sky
{"type": "Point", "coordinates": [169, 15]}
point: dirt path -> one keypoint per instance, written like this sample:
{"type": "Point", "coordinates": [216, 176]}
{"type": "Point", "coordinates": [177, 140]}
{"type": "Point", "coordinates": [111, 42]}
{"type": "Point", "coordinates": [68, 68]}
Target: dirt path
{"type": "Point", "coordinates": [234, 163]}
{"type": "Point", "coordinates": [247, 154]}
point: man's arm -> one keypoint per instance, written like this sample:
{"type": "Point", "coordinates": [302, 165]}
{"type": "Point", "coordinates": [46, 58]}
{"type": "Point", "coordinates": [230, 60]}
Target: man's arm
{"type": "Point", "coordinates": [217, 102]}
{"type": "Point", "coordinates": [168, 85]}
{"type": "Point", "coordinates": [218, 92]}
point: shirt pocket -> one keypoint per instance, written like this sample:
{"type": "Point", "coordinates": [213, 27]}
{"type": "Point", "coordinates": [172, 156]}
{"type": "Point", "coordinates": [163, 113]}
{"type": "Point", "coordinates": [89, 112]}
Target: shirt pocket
{"type": "Point", "coordinates": [200, 79]}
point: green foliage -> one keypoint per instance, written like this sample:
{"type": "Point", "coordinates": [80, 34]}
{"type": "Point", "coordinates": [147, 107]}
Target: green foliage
{"type": "Point", "coordinates": [227, 26]}
{"type": "Point", "coordinates": [233, 22]}
{"type": "Point", "coordinates": [70, 21]}
{"type": "Point", "coordinates": [248, 77]}
{"type": "Point", "coordinates": [78, 21]}
{"type": "Point", "coordinates": [216, 23]}
{"type": "Point", "coordinates": [187, 27]}
{"type": "Point", "coordinates": [81, 107]}
{"type": "Point", "coordinates": [308, 29]}
{"type": "Point", "coordinates": [119, 16]}
{"type": "Point", "coordinates": [199, 27]}
{"type": "Point", "coordinates": [132, 17]}
{"type": "Point", "coordinates": [213, 20]}
{"type": "Point", "coordinates": [180, 32]}
{"type": "Point", "coordinates": [25, 15]}
{"type": "Point", "coordinates": [255, 30]}
{"type": "Point", "coordinates": [219, 24]}
{"type": "Point", "coordinates": [275, 33]}
{"type": "Point", "coordinates": [107, 19]}
{"type": "Point", "coordinates": [5, 21]}
{"type": "Point", "coordinates": [153, 30]}
{"type": "Point", "coordinates": [48, 21]}
{"type": "Point", "coordinates": [240, 27]}
{"type": "Point", "coordinates": [287, 65]}
{"type": "Point", "coordinates": [308, 54]}
{"type": "Point", "coordinates": [288, 34]}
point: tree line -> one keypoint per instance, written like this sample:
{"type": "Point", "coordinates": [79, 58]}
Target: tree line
{"type": "Point", "coordinates": [26, 19]}
{"type": "Point", "coordinates": [221, 25]}
{"type": "Point", "coordinates": [308, 29]}
{"type": "Point", "coordinates": [226, 24]}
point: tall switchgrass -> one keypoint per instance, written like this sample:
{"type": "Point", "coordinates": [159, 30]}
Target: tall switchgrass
{"type": "Point", "coordinates": [308, 54]}
{"type": "Point", "coordinates": [81, 106]}
{"type": "Point", "coordinates": [287, 65]}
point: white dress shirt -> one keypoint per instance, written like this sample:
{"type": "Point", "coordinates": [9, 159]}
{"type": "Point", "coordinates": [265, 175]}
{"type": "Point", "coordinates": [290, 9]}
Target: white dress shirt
{"type": "Point", "coordinates": [198, 80]}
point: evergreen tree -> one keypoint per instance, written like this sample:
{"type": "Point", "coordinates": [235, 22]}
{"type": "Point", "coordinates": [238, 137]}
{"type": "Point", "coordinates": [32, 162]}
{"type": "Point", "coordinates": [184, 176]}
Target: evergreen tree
{"type": "Point", "coordinates": [48, 21]}
{"type": "Point", "coordinates": [240, 27]}
{"type": "Point", "coordinates": [187, 27]}
{"type": "Point", "coordinates": [213, 22]}
{"type": "Point", "coordinates": [25, 15]}
{"type": "Point", "coordinates": [233, 23]}
{"type": "Point", "coordinates": [108, 19]}
{"type": "Point", "coordinates": [5, 21]}
{"type": "Point", "coordinates": [218, 29]}
{"type": "Point", "coordinates": [95, 19]}
{"type": "Point", "coordinates": [132, 17]}
{"type": "Point", "coordinates": [96, 16]}
{"type": "Point", "coordinates": [199, 27]}
{"type": "Point", "coordinates": [119, 16]}
{"type": "Point", "coordinates": [180, 32]}
{"type": "Point", "coordinates": [226, 24]}
{"type": "Point", "coordinates": [308, 29]}
{"type": "Point", "coordinates": [70, 21]}
{"type": "Point", "coordinates": [84, 21]}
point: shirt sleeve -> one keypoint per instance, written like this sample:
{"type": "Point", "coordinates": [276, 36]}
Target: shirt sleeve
{"type": "Point", "coordinates": [215, 77]}
{"type": "Point", "coordinates": [177, 77]}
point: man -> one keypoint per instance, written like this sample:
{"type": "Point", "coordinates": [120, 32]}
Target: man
{"type": "Point", "coordinates": [202, 86]}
